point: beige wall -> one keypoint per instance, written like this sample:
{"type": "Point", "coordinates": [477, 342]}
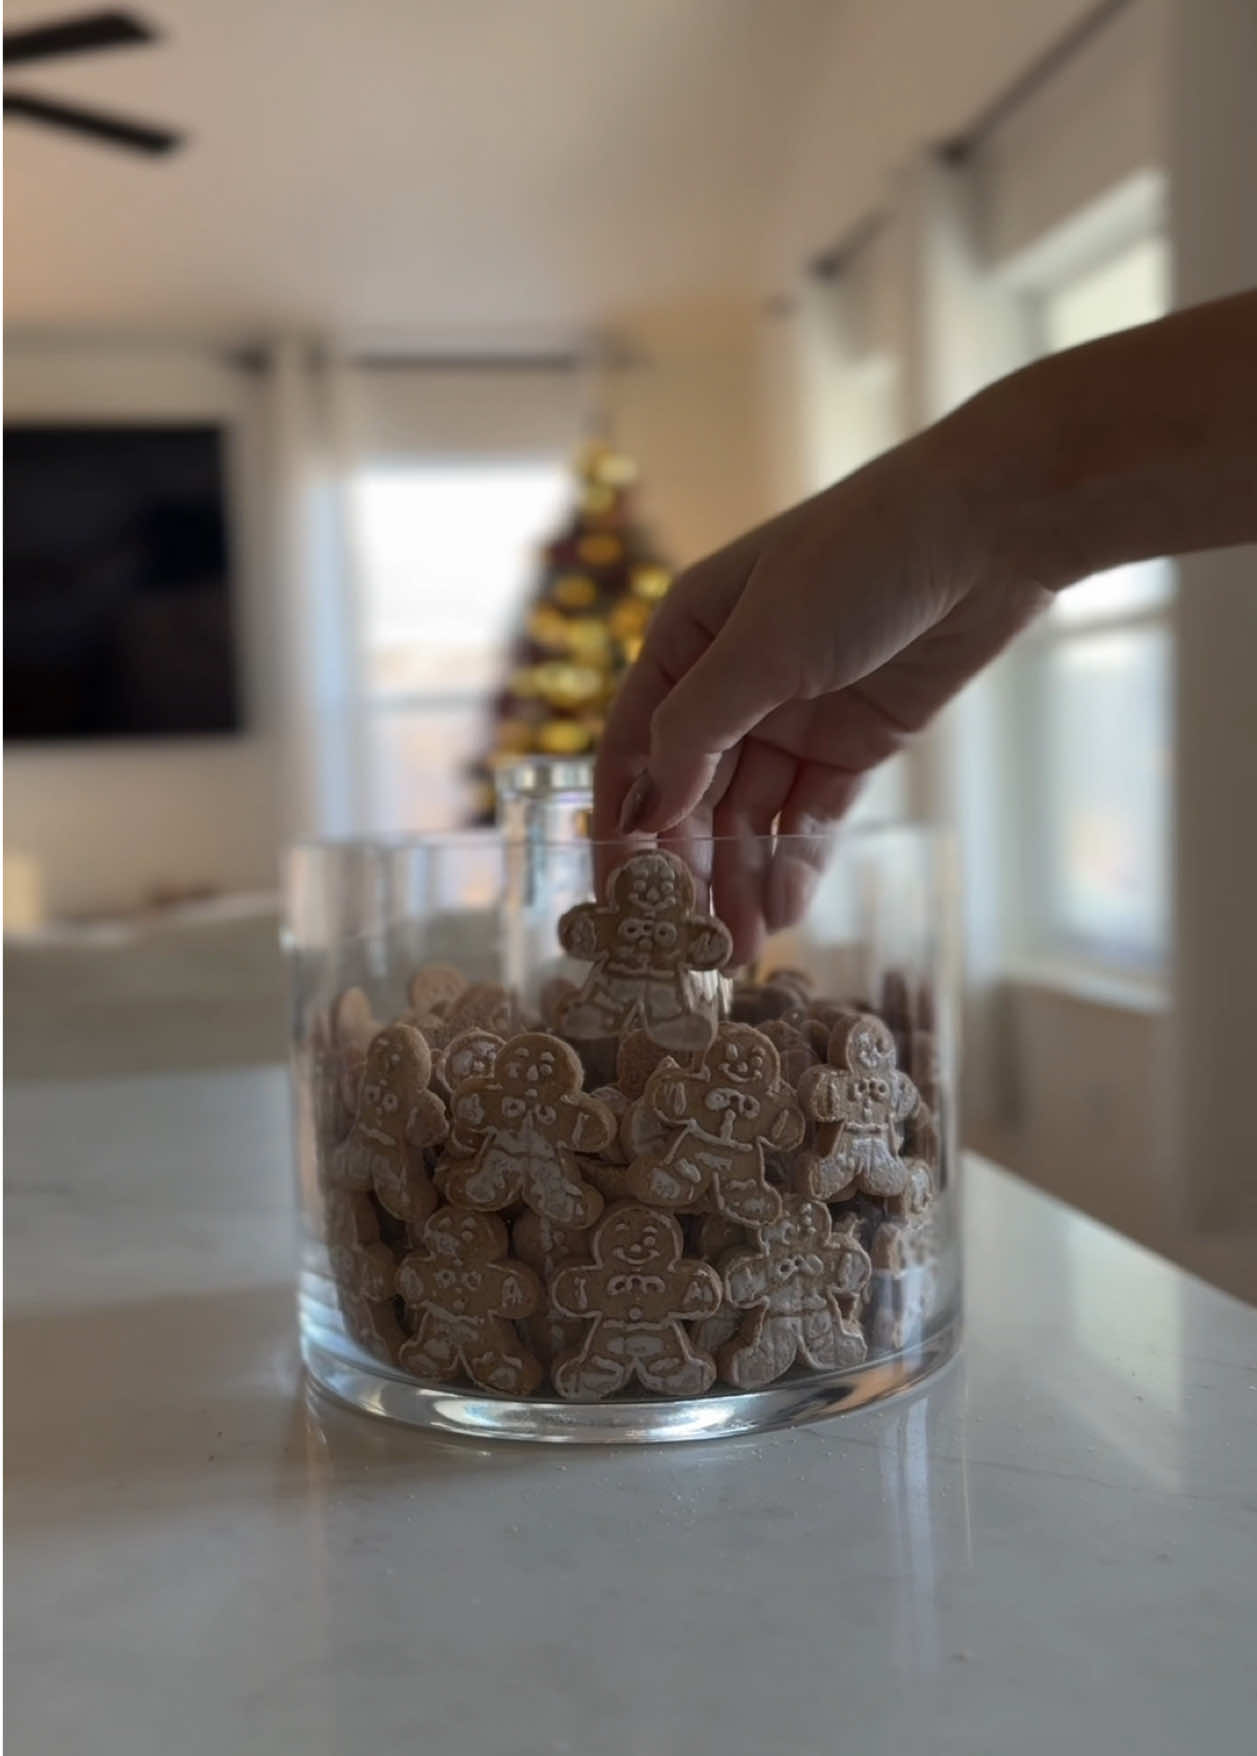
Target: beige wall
{"type": "Point", "coordinates": [690, 412]}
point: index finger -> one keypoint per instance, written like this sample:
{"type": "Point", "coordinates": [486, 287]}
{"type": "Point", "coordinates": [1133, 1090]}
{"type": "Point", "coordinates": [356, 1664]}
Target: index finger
{"type": "Point", "coordinates": [674, 642]}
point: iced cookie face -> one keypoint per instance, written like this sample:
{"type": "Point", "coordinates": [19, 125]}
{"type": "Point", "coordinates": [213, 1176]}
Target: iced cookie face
{"type": "Point", "coordinates": [869, 1048]}
{"type": "Point", "coordinates": [654, 886]}
{"type": "Point", "coordinates": [635, 1239]}
{"type": "Point", "coordinates": [534, 1076]}
{"type": "Point", "coordinates": [466, 1237]}
{"type": "Point", "coordinates": [471, 1055]}
{"type": "Point", "coordinates": [643, 942]}
{"type": "Point", "coordinates": [742, 1056]}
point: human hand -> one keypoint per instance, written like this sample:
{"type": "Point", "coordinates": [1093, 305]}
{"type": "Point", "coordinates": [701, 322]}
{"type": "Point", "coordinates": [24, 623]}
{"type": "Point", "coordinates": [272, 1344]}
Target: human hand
{"type": "Point", "coordinates": [780, 670]}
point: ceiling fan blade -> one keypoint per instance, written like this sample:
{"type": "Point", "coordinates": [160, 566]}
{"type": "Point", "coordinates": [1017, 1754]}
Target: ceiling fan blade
{"type": "Point", "coordinates": [115, 130]}
{"type": "Point", "coordinates": [70, 36]}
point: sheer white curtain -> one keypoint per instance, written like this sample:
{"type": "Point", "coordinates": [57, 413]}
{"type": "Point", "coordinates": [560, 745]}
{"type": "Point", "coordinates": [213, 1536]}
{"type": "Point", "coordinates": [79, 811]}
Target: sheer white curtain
{"type": "Point", "coordinates": [322, 776]}
{"type": "Point", "coordinates": [409, 500]}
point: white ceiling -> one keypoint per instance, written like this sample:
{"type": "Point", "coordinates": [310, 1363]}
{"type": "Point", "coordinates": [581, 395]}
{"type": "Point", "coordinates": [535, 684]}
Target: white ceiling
{"type": "Point", "coordinates": [413, 165]}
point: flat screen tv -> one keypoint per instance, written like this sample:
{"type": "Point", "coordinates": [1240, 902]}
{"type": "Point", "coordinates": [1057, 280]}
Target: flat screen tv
{"type": "Point", "coordinates": [117, 584]}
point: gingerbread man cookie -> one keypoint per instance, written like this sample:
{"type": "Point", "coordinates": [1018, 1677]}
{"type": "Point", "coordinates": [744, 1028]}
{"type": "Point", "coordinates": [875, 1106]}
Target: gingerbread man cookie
{"type": "Point", "coordinates": [531, 1119]}
{"type": "Point", "coordinates": [861, 1102]}
{"type": "Point", "coordinates": [364, 1269]}
{"type": "Point", "coordinates": [636, 1296]}
{"type": "Point", "coordinates": [351, 1025]}
{"type": "Point", "coordinates": [464, 1296]}
{"type": "Point", "coordinates": [719, 1118]}
{"type": "Point", "coordinates": [469, 1055]}
{"type": "Point", "coordinates": [360, 1262]}
{"type": "Point", "coordinates": [712, 1237]}
{"type": "Point", "coordinates": [485, 1006]}
{"type": "Point", "coordinates": [397, 1118]}
{"type": "Point", "coordinates": [330, 1115]}
{"type": "Point", "coordinates": [796, 1051]}
{"type": "Point", "coordinates": [792, 1284]}
{"type": "Point", "coordinates": [372, 1325]}
{"type": "Point", "coordinates": [645, 944]}
{"type": "Point", "coordinates": [546, 1248]}
{"type": "Point", "coordinates": [434, 988]}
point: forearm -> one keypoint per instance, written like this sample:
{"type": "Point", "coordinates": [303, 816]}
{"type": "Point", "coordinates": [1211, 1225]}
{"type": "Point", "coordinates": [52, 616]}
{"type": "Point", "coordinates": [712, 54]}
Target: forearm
{"type": "Point", "coordinates": [1141, 444]}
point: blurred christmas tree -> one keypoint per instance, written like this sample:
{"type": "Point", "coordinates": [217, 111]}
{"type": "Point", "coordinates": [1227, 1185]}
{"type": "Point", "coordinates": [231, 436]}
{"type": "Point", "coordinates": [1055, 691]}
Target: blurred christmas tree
{"type": "Point", "coordinates": [600, 582]}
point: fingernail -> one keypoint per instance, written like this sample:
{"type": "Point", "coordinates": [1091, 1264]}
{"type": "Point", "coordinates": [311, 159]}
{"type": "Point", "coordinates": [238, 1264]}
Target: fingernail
{"type": "Point", "coordinates": [639, 799]}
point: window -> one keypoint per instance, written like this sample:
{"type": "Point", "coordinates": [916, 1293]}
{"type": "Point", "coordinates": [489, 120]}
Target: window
{"type": "Point", "coordinates": [445, 557]}
{"type": "Point", "coordinates": [1098, 676]}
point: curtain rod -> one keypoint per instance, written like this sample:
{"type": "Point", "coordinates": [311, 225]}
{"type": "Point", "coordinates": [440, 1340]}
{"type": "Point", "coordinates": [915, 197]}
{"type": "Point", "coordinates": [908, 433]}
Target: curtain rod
{"type": "Point", "coordinates": [256, 359]}
{"type": "Point", "coordinates": [391, 362]}
{"type": "Point", "coordinates": [832, 262]}
{"type": "Point", "coordinates": [1038, 74]}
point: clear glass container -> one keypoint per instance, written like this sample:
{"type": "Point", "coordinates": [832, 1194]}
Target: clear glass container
{"type": "Point", "coordinates": [583, 1155]}
{"type": "Point", "coordinates": [543, 798]}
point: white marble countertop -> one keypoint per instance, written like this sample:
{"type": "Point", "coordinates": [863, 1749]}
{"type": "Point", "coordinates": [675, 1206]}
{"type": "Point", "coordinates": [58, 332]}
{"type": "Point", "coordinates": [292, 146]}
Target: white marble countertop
{"type": "Point", "coordinates": [1052, 1548]}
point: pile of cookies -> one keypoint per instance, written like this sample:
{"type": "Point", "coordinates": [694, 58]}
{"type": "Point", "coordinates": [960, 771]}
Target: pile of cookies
{"type": "Point", "coordinates": [665, 1181]}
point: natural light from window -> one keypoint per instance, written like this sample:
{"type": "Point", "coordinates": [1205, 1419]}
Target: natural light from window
{"type": "Point", "coordinates": [446, 551]}
{"type": "Point", "coordinates": [1100, 697]}
{"type": "Point", "coordinates": [446, 554]}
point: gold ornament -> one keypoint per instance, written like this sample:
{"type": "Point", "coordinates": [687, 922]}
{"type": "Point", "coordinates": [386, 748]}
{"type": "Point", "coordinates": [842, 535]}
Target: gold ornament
{"type": "Point", "coordinates": [632, 646]}
{"type": "Point", "coordinates": [548, 627]}
{"type": "Point", "coordinates": [588, 639]}
{"type": "Point", "coordinates": [651, 582]}
{"type": "Point", "coordinates": [614, 469]}
{"type": "Point", "coordinates": [564, 737]}
{"type": "Point", "coordinates": [599, 549]}
{"type": "Point", "coordinates": [628, 618]}
{"type": "Point", "coordinates": [597, 499]}
{"type": "Point", "coordinates": [567, 687]}
{"type": "Point", "coordinates": [573, 591]}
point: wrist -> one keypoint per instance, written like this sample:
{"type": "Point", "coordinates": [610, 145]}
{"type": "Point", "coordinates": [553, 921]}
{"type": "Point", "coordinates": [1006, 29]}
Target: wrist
{"type": "Point", "coordinates": [1010, 487]}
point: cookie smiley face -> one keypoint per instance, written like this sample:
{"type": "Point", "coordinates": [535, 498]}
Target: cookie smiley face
{"type": "Point", "coordinates": [743, 1065]}
{"type": "Point", "coordinates": [654, 886]}
{"type": "Point", "coordinates": [644, 1246]}
{"type": "Point", "coordinates": [535, 1077]}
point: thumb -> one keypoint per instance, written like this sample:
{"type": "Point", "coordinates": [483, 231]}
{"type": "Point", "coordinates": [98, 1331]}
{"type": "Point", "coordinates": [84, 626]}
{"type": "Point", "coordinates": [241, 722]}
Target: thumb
{"type": "Point", "coordinates": [739, 679]}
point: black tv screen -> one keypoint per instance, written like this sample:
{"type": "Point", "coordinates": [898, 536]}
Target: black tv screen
{"type": "Point", "coordinates": [117, 593]}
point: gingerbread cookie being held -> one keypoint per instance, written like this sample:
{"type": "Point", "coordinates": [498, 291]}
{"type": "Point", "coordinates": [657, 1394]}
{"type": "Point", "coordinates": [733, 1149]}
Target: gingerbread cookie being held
{"type": "Point", "coordinates": [636, 1297]}
{"type": "Point", "coordinates": [529, 1119]}
{"type": "Point", "coordinates": [717, 1123]}
{"type": "Point", "coordinates": [646, 944]}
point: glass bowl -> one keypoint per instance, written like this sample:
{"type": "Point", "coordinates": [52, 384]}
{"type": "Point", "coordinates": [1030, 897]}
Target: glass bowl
{"type": "Point", "coordinates": [588, 1152]}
